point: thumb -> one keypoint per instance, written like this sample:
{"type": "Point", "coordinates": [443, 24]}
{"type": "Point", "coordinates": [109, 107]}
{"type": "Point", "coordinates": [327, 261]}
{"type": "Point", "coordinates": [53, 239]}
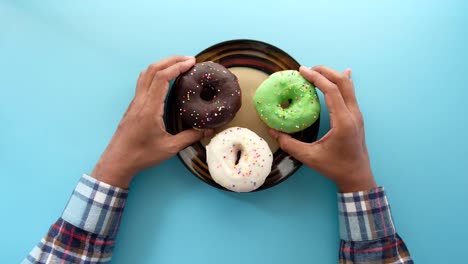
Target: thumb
{"type": "Point", "coordinates": [292, 146]}
{"type": "Point", "coordinates": [187, 138]}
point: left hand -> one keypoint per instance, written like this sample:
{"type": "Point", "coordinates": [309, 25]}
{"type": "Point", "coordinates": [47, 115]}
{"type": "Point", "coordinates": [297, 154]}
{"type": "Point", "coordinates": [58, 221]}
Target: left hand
{"type": "Point", "coordinates": [141, 140]}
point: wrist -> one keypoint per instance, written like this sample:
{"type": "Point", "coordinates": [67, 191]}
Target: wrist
{"type": "Point", "coordinates": [356, 187]}
{"type": "Point", "coordinates": [359, 181]}
{"type": "Point", "coordinates": [113, 172]}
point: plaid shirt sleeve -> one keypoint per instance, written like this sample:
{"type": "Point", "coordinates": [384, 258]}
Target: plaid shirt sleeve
{"type": "Point", "coordinates": [367, 231]}
{"type": "Point", "coordinates": [86, 231]}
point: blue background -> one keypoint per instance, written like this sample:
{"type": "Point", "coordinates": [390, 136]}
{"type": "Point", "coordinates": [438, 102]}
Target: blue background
{"type": "Point", "coordinates": [68, 71]}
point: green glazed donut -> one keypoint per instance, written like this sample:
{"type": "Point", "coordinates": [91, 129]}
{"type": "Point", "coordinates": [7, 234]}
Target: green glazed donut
{"type": "Point", "coordinates": [274, 93]}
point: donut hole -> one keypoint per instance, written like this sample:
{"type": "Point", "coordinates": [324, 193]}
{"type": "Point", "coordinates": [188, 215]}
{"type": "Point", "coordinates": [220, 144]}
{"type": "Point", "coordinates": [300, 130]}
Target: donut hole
{"type": "Point", "coordinates": [208, 93]}
{"type": "Point", "coordinates": [237, 153]}
{"type": "Point", "coordinates": [238, 156]}
{"type": "Point", "coordinates": [286, 103]}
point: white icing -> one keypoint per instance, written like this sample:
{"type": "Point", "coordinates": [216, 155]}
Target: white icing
{"type": "Point", "coordinates": [254, 164]}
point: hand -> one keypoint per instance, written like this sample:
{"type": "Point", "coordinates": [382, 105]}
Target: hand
{"type": "Point", "coordinates": [141, 140]}
{"type": "Point", "coordinates": [341, 155]}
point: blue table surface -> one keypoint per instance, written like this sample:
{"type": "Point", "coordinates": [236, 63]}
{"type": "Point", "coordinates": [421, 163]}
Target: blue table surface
{"type": "Point", "coordinates": [68, 71]}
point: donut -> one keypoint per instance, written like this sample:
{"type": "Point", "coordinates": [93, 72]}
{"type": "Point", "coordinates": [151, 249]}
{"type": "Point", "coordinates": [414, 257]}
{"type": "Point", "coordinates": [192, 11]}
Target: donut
{"type": "Point", "coordinates": [238, 159]}
{"type": "Point", "coordinates": [287, 102]}
{"type": "Point", "coordinates": [208, 95]}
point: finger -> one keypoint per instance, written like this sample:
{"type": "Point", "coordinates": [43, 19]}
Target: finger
{"type": "Point", "coordinates": [186, 138]}
{"type": "Point", "coordinates": [139, 91]}
{"type": "Point", "coordinates": [208, 132]}
{"type": "Point", "coordinates": [173, 70]}
{"type": "Point", "coordinates": [344, 83]}
{"type": "Point", "coordinates": [332, 75]}
{"type": "Point", "coordinates": [160, 84]}
{"type": "Point", "coordinates": [167, 62]}
{"type": "Point", "coordinates": [353, 104]}
{"type": "Point", "coordinates": [161, 65]}
{"type": "Point", "coordinates": [335, 103]}
{"type": "Point", "coordinates": [292, 146]}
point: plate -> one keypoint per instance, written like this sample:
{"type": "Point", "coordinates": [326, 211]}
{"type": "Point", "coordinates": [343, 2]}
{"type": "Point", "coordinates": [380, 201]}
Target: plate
{"type": "Point", "coordinates": [249, 54]}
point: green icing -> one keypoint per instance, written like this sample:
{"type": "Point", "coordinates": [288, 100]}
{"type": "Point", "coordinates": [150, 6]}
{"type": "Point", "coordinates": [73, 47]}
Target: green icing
{"type": "Point", "coordinates": [304, 106]}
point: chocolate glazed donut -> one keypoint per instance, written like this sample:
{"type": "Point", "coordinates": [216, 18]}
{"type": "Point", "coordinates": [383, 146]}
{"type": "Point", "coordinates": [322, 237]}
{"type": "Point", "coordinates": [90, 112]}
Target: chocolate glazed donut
{"type": "Point", "coordinates": [208, 95]}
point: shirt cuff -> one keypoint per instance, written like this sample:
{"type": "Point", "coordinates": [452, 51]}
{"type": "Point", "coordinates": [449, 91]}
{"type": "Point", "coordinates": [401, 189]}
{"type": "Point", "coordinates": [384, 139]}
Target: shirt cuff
{"type": "Point", "coordinates": [365, 215]}
{"type": "Point", "coordinates": [95, 206]}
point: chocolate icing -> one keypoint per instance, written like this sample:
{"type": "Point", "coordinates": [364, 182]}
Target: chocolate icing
{"type": "Point", "coordinates": [208, 95]}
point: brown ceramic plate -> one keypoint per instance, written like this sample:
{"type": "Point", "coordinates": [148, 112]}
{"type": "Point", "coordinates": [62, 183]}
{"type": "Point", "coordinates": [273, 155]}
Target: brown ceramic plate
{"type": "Point", "coordinates": [248, 54]}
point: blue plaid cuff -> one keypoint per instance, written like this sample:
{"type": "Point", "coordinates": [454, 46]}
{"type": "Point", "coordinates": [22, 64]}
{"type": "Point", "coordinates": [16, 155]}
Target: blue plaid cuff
{"type": "Point", "coordinates": [365, 215]}
{"type": "Point", "coordinates": [95, 206]}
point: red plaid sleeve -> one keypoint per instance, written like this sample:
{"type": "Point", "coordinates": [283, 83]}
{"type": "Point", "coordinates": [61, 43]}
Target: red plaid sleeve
{"type": "Point", "coordinates": [367, 231]}
{"type": "Point", "coordinates": [86, 231]}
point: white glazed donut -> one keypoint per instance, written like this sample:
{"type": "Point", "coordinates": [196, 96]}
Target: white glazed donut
{"type": "Point", "coordinates": [253, 166]}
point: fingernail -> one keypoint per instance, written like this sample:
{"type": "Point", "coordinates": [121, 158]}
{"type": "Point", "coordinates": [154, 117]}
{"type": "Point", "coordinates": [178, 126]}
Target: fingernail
{"type": "Point", "coordinates": [349, 72]}
{"type": "Point", "coordinates": [273, 133]}
{"type": "Point", "coordinates": [303, 68]}
{"type": "Point", "coordinates": [189, 57]}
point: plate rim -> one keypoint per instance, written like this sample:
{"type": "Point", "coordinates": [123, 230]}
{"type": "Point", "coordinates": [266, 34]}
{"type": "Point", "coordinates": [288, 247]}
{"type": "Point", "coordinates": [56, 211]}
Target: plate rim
{"type": "Point", "coordinates": [287, 155]}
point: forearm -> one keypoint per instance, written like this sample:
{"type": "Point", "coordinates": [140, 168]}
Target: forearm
{"type": "Point", "coordinates": [87, 229]}
{"type": "Point", "coordinates": [367, 231]}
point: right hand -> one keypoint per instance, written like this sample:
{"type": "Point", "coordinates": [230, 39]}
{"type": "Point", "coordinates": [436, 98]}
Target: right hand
{"type": "Point", "coordinates": [341, 155]}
